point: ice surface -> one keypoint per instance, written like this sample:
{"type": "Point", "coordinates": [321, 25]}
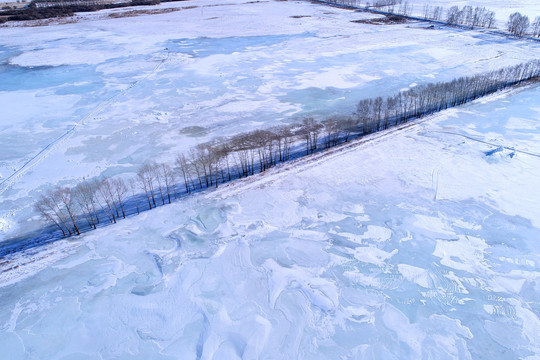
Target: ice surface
{"type": "Point", "coordinates": [134, 88]}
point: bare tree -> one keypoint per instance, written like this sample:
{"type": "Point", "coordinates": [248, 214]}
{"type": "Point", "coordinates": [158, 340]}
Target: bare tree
{"type": "Point", "coordinates": [454, 15]}
{"type": "Point", "coordinates": [85, 195]}
{"type": "Point", "coordinates": [147, 180]}
{"type": "Point", "coordinates": [50, 208]}
{"type": "Point", "coordinates": [347, 126]}
{"type": "Point", "coordinates": [310, 130]}
{"type": "Point", "coordinates": [64, 197]}
{"type": "Point", "coordinates": [331, 131]}
{"type": "Point", "coordinates": [427, 11]}
{"type": "Point", "coordinates": [490, 20]}
{"type": "Point", "coordinates": [167, 177]}
{"type": "Point", "coordinates": [160, 182]}
{"type": "Point", "coordinates": [285, 139]}
{"type": "Point", "coordinates": [468, 15]}
{"type": "Point", "coordinates": [106, 193]}
{"type": "Point", "coordinates": [535, 31]}
{"type": "Point", "coordinates": [364, 111]}
{"type": "Point", "coordinates": [518, 24]}
{"type": "Point", "coordinates": [260, 140]}
{"type": "Point", "coordinates": [194, 162]}
{"type": "Point", "coordinates": [120, 191]}
{"type": "Point", "coordinates": [437, 13]}
{"type": "Point", "coordinates": [405, 9]}
{"type": "Point", "coordinates": [184, 167]}
{"type": "Point", "coordinates": [244, 149]}
{"type": "Point", "coordinates": [223, 152]}
{"type": "Point", "coordinates": [203, 160]}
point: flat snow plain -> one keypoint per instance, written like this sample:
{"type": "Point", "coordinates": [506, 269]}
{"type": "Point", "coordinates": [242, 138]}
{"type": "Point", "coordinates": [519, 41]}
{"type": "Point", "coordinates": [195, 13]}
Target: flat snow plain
{"type": "Point", "coordinates": [414, 244]}
{"type": "Point", "coordinates": [147, 87]}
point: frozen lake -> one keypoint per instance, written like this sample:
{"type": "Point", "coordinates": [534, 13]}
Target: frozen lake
{"type": "Point", "coordinates": [423, 247]}
{"type": "Point", "coordinates": [131, 89]}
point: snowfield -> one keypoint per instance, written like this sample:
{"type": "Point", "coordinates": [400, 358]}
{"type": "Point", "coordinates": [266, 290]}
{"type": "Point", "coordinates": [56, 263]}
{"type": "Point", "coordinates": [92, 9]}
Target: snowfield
{"type": "Point", "coordinates": [418, 243]}
{"type": "Point", "coordinates": [104, 94]}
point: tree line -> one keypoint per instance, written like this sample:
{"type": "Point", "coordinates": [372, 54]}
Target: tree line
{"type": "Point", "coordinates": [469, 16]}
{"type": "Point", "coordinates": [105, 200]}
{"type": "Point", "coordinates": [517, 24]}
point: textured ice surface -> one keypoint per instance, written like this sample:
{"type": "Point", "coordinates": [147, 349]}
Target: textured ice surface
{"type": "Point", "coordinates": [422, 247]}
{"type": "Point", "coordinates": [147, 87]}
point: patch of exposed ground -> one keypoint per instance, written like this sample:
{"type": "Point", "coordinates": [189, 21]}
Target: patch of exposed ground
{"type": "Point", "coordinates": [386, 20]}
{"type": "Point", "coordinates": [132, 13]}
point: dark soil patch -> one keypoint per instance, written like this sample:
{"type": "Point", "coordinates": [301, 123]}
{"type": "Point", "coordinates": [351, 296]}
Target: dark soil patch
{"type": "Point", "coordinates": [386, 20]}
{"type": "Point", "coordinates": [142, 12]}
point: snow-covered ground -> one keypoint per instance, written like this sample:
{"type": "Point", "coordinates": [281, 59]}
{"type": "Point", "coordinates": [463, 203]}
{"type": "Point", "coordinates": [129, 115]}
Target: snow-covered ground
{"type": "Point", "coordinates": [150, 86]}
{"type": "Point", "coordinates": [414, 244]}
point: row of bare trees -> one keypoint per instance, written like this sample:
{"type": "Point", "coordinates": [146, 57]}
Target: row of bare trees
{"type": "Point", "coordinates": [517, 24]}
{"type": "Point", "coordinates": [379, 114]}
{"type": "Point", "coordinates": [105, 200]}
{"type": "Point", "coordinates": [469, 16]}
{"type": "Point", "coordinates": [392, 6]}
{"type": "Point", "coordinates": [466, 16]}
{"type": "Point", "coordinates": [94, 201]}
{"type": "Point", "coordinates": [239, 156]}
